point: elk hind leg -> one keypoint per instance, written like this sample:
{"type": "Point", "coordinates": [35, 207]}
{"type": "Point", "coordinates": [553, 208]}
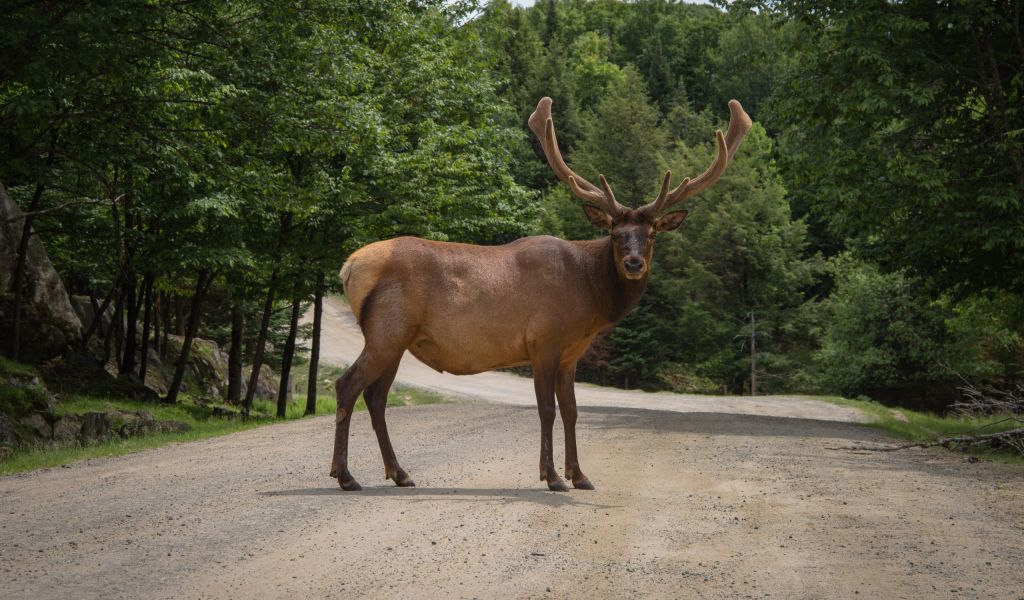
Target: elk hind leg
{"type": "Point", "coordinates": [366, 369]}
{"type": "Point", "coordinates": [376, 396]}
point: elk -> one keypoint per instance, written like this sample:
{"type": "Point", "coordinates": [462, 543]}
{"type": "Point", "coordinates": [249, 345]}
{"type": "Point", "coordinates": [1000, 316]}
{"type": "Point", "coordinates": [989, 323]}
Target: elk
{"type": "Point", "coordinates": [537, 301]}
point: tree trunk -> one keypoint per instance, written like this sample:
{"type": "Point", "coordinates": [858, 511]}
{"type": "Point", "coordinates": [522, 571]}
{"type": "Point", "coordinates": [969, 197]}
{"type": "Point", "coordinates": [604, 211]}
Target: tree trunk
{"type": "Point", "coordinates": [167, 325]}
{"type": "Point", "coordinates": [18, 282]}
{"type": "Point", "coordinates": [179, 316]}
{"type": "Point", "coordinates": [268, 307]}
{"type": "Point", "coordinates": [131, 324]}
{"type": "Point", "coordinates": [202, 284]}
{"type": "Point", "coordinates": [156, 319]}
{"type": "Point", "coordinates": [753, 355]}
{"type": "Point", "coordinates": [261, 341]}
{"type": "Point", "coordinates": [235, 356]}
{"type": "Point", "coordinates": [286, 361]}
{"type": "Point", "coordinates": [314, 352]}
{"type": "Point", "coordinates": [147, 319]}
{"type": "Point", "coordinates": [97, 316]}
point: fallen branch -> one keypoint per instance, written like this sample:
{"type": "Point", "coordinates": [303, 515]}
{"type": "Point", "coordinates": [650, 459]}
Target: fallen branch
{"type": "Point", "coordinates": [1013, 438]}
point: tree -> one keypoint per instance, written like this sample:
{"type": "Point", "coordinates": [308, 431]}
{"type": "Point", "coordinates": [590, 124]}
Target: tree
{"type": "Point", "coordinates": [902, 133]}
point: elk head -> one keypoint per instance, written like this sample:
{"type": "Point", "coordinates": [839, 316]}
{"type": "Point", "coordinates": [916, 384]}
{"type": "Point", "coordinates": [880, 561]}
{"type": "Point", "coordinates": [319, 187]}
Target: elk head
{"type": "Point", "coordinates": [633, 230]}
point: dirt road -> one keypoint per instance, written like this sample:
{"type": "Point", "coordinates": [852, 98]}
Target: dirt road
{"type": "Point", "coordinates": [690, 503]}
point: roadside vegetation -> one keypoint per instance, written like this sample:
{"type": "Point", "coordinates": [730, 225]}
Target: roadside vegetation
{"type": "Point", "coordinates": [928, 428]}
{"type": "Point", "coordinates": [200, 419]}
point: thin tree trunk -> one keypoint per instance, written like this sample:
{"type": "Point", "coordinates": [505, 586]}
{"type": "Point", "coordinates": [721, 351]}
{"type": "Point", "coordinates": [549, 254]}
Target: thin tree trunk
{"type": "Point", "coordinates": [235, 356]}
{"type": "Point", "coordinates": [18, 282]}
{"type": "Point", "coordinates": [268, 307]}
{"type": "Point", "coordinates": [314, 352]}
{"type": "Point", "coordinates": [202, 284]}
{"type": "Point", "coordinates": [261, 341]}
{"type": "Point", "coordinates": [127, 366]}
{"type": "Point", "coordinates": [753, 355]}
{"type": "Point", "coordinates": [118, 326]}
{"type": "Point", "coordinates": [147, 318]}
{"type": "Point", "coordinates": [179, 316]}
{"type": "Point", "coordinates": [167, 326]}
{"type": "Point", "coordinates": [286, 361]}
{"type": "Point", "coordinates": [97, 314]}
{"type": "Point", "coordinates": [14, 351]}
{"type": "Point", "coordinates": [156, 319]}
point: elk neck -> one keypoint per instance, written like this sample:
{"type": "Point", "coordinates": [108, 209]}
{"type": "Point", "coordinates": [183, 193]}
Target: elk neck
{"type": "Point", "coordinates": [617, 294]}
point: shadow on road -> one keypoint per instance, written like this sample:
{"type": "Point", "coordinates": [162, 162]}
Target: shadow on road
{"type": "Point", "coordinates": [711, 423]}
{"type": "Point", "coordinates": [505, 495]}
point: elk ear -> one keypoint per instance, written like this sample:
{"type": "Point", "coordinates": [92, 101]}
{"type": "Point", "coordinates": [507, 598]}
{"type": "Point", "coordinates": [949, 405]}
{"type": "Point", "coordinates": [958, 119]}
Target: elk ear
{"type": "Point", "coordinates": [598, 217]}
{"type": "Point", "coordinates": [671, 221]}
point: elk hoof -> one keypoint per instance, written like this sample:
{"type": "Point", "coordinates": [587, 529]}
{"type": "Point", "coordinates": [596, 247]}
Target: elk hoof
{"type": "Point", "coordinates": [403, 480]}
{"type": "Point", "coordinates": [583, 484]}
{"type": "Point", "coordinates": [558, 486]}
{"type": "Point", "coordinates": [350, 486]}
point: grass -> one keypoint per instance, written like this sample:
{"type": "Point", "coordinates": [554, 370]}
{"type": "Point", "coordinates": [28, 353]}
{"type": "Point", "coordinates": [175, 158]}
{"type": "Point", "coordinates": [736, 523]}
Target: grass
{"type": "Point", "coordinates": [204, 424]}
{"type": "Point", "coordinates": [924, 427]}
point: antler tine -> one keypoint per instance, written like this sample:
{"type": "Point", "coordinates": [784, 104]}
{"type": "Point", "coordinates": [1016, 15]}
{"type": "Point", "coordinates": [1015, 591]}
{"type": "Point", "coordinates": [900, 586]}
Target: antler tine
{"type": "Point", "coordinates": [543, 127]}
{"type": "Point", "coordinates": [739, 125]}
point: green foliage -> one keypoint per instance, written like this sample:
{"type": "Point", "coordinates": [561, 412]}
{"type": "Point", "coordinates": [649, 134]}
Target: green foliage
{"type": "Point", "coordinates": [902, 132]}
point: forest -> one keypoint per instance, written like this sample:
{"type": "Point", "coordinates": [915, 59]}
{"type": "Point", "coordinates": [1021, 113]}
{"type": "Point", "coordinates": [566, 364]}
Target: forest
{"type": "Point", "coordinates": [202, 168]}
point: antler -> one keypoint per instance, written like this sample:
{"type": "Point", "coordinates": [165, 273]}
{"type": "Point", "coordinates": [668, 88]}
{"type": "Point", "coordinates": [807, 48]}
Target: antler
{"type": "Point", "coordinates": [739, 125]}
{"type": "Point", "coordinates": [542, 126]}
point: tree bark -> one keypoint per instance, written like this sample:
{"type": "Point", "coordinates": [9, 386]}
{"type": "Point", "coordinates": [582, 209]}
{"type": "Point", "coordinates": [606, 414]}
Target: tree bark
{"type": "Point", "coordinates": [268, 307]}
{"type": "Point", "coordinates": [261, 341]}
{"type": "Point", "coordinates": [286, 361]}
{"type": "Point", "coordinates": [97, 317]}
{"type": "Point", "coordinates": [179, 316]}
{"type": "Point", "coordinates": [130, 346]}
{"type": "Point", "coordinates": [235, 356]}
{"type": "Point", "coordinates": [18, 282]}
{"type": "Point", "coordinates": [314, 352]}
{"type": "Point", "coordinates": [147, 318]}
{"type": "Point", "coordinates": [202, 284]}
{"type": "Point", "coordinates": [156, 319]}
{"type": "Point", "coordinates": [753, 355]}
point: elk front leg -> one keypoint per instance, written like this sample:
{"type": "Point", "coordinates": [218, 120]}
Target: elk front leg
{"type": "Point", "coordinates": [544, 385]}
{"type": "Point", "coordinates": [565, 390]}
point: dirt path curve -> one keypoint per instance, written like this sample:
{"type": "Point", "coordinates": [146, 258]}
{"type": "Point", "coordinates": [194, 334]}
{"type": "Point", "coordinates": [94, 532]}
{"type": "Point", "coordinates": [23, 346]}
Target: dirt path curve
{"type": "Point", "coordinates": [699, 504]}
{"type": "Point", "coordinates": [342, 342]}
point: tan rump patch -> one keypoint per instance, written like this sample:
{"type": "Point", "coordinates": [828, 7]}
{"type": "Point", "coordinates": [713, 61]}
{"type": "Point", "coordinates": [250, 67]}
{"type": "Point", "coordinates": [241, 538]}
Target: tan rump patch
{"type": "Point", "coordinates": [363, 270]}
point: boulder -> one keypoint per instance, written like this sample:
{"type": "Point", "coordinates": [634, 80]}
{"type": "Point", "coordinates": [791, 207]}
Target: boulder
{"type": "Point", "coordinates": [49, 323]}
{"type": "Point", "coordinates": [67, 429]}
{"type": "Point", "coordinates": [37, 425]}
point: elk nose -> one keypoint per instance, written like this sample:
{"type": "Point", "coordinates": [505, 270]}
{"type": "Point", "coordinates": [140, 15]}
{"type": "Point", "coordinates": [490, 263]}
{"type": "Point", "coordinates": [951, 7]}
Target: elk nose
{"type": "Point", "coordinates": [633, 264]}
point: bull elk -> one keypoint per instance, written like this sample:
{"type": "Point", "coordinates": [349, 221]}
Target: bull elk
{"type": "Point", "coordinates": [537, 301]}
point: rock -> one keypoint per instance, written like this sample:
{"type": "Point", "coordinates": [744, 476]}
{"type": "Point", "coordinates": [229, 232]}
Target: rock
{"type": "Point", "coordinates": [173, 427]}
{"type": "Point", "coordinates": [86, 313]}
{"type": "Point", "coordinates": [67, 429]}
{"type": "Point", "coordinates": [8, 434]}
{"type": "Point", "coordinates": [266, 386]}
{"type": "Point", "coordinates": [37, 425]}
{"type": "Point", "coordinates": [49, 322]}
{"type": "Point", "coordinates": [97, 426]}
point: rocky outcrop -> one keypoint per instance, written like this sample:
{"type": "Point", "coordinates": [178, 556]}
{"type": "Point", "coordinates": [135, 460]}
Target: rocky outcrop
{"type": "Point", "coordinates": [206, 374]}
{"type": "Point", "coordinates": [49, 323]}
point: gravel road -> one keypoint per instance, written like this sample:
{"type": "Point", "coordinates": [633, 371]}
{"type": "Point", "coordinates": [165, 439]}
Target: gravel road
{"type": "Point", "coordinates": [693, 501]}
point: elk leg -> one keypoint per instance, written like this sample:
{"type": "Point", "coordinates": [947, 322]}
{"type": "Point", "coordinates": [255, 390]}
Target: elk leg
{"type": "Point", "coordinates": [376, 401]}
{"type": "Point", "coordinates": [366, 369]}
{"type": "Point", "coordinates": [544, 386]}
{"type": "Point", "coordinates": [565, 390]}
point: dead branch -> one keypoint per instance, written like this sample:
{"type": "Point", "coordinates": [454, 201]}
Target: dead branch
{"type": "Point", "coordinates": [1013, 438]}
